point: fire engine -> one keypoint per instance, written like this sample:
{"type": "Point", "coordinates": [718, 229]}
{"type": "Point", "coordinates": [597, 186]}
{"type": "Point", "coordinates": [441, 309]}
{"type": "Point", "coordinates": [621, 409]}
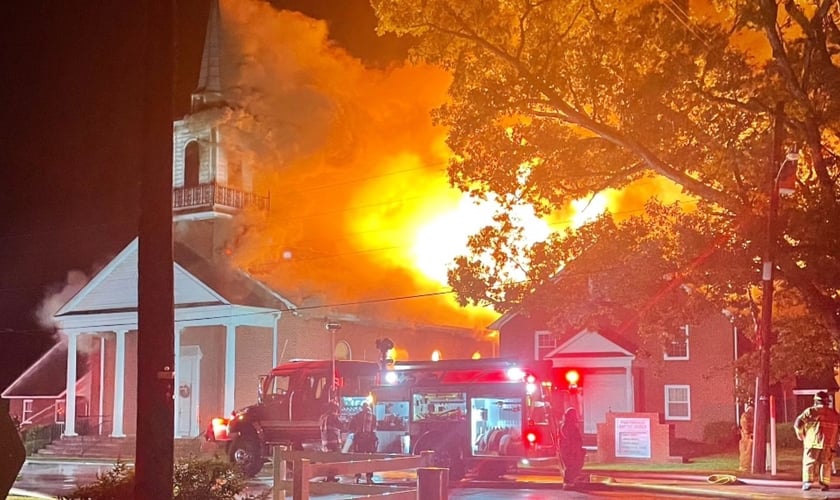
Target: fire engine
{"type": "Point", "coordinates": [482, 414]}
{"type": "Point", "coordinates": [290, 400]}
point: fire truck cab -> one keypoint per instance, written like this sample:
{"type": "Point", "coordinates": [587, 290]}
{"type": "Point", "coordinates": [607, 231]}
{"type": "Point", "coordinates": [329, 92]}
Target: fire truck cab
{"type": "Point", "coordinates": [484, 414]}
{"type": "Point", "coordinates": [290, 401]}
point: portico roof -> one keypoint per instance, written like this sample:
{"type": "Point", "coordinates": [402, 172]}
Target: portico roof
{"type": "Point", "coordinates": [205, 293]}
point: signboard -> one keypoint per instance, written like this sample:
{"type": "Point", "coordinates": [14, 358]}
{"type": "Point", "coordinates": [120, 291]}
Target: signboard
{"type": "Point", "coordinates": [632, 437]}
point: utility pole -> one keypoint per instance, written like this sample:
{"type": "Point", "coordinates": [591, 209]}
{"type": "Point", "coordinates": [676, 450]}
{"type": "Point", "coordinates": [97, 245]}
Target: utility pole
{"type": "Point", "coordinates": [156, 319]}
{"type": "Point", "coordinates": [786, 171]}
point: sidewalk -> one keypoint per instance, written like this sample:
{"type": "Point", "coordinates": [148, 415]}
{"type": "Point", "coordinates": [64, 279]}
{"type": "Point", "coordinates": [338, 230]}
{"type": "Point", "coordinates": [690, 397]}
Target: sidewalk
{"type": "Point", "coordinates": [785, 485]}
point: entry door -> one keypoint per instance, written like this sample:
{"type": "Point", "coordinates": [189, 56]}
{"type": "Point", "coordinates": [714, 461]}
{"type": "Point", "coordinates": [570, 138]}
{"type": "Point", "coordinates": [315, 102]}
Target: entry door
{"type": "Point", "coordinates": [186, 392]}
{"type": "Point", "coordinates": [602, 393]}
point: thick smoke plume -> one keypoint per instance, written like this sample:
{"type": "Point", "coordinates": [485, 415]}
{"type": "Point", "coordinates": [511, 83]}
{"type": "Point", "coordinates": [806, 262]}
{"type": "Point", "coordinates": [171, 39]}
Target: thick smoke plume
{"type": "Point", "coordinates": [351, 160]}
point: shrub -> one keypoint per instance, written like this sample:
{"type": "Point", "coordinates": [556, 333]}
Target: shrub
{"type": "Point", "coordinates": [36, 437]}
{"type": "Point", "coordinates": [720, 434]}
{"type": "Point", "coordinates": [115, 484]}
{"type": "Point", "coordinates": [786, 437]}
{"type": "Point", "coordinates": [193, 479]}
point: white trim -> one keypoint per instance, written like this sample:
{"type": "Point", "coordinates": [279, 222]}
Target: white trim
{"type": "Point", "coordinates": [31, 369]}
{"type": "Point", "coordinates": [99, 278]}
{"type": "Point", "coordinates": [201, 284]}
{"type": "Point", "coordinates": [539, 334]}
{"type": "Point", "coordinates": [177, 370]}
{"type": "Point", "coordinates": [70, 390]}
{"type": "Point", "coordinates": [275, 340]}
{"type": "Point", "coordinates": [208, 315]}
{"type": "Point", "coordinates": [24, 413]}
{"type": "Point", "coordinates": [668, 401]}
{"type": "Point", "coordinates": [119, 384]}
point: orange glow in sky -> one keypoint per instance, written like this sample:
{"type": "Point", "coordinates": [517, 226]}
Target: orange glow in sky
{"type": "Point", "coordinates": [361, 209]}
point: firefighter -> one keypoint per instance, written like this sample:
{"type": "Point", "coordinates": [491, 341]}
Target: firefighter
{"type": "Point", "coordinates": [571, 448]}
{"type": "Point", "coordinates": [330, 427]}
{"type": "Point", "coordinates": [746, 442]}
{"type": "Point", "coordinates": [363, 426]}
{"type": "Point", "coordinates": [817, 428]}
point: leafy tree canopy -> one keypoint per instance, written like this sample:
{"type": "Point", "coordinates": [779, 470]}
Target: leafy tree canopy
{"type": "Point", "coordinates": [553, 100]}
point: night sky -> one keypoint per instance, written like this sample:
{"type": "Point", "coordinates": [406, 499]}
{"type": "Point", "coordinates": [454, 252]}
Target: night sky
{"type": "Point", "coordinates": [70, 87]}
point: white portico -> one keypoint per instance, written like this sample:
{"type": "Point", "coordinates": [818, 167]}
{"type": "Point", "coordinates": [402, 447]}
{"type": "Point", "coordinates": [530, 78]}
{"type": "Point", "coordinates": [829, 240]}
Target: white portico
{"type": "Point", "coordinates": [213, 305]}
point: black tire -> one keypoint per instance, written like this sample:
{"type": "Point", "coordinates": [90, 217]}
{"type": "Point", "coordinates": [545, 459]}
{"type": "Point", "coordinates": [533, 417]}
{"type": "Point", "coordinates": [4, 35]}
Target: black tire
{"type": "Point", "coordinates": [245, 453]}
{"type": "Point", "coordinates": [491, 469]}
{"type": "Point", "coordinates": [447, 454]}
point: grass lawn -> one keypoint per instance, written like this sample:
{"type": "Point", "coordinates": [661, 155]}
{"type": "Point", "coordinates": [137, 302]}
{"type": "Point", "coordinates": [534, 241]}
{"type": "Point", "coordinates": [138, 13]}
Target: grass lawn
{"type": "Point", "coordinates": [788, 465]}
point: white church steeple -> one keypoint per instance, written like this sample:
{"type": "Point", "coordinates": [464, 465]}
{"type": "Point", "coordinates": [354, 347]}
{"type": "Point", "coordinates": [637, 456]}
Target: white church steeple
{"type": "Point", "coordinates": [209, 176]}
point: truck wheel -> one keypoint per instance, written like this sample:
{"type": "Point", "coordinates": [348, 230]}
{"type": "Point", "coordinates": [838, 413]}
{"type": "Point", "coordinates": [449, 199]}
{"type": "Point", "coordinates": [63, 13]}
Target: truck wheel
{"type": "Point", "coordinates": [446, 455]}
{"type": "Point", "coordinates": [245, 453]}
{"type": "Point", "coordinates": [491, 469]}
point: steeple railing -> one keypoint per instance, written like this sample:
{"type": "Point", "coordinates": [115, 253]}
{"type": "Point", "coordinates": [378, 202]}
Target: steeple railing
{"type": "Point", "coordinates": [214, 196]}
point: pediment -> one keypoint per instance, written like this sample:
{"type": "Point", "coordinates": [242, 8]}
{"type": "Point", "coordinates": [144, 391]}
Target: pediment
{"type": "Point", "coordinates": [114, 288]}
{"type": "Point", "coordinates": [587, 342]}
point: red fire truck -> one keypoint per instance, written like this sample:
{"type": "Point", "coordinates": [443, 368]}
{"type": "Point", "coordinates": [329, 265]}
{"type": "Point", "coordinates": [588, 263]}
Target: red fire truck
{"type": "Point", "coordinates": [290, 400]}
{"type": "Point", "coordinates": [482, 414]}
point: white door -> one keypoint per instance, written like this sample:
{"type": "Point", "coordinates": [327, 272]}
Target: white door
{"type": "Point", "coordinates": [602, 393]}
{"type": "Point", "coordinates": [186, 392]}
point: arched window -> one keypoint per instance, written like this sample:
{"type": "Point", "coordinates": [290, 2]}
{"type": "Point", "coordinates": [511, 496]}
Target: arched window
{"type": "Point", "coordinates": [342, 350]}
{"type": "Point", "coordinates": [191, 164]}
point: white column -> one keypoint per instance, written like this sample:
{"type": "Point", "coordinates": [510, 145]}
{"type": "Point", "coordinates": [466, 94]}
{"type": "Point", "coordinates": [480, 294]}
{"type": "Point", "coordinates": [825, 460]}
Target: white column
{"type": "Point", "coordinates": [629, 387]}
{"type": "Point", "coordinates": [119, 384]}
{"type": "Point", "coordinates": [230, 367]}
{"type": "Point", "coordinates": [101, 383]}
{"type": "Point", "coordinates": [275, 341]}
{"type": "Point", "coordinates": [177, 384]}
{"type": "Point", "coordinates": [70, 393]}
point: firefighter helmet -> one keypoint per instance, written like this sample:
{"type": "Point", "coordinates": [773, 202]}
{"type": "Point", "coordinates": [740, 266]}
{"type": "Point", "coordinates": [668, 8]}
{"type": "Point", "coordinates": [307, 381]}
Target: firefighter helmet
{"type": "Point", "coordinates": [822, 398]}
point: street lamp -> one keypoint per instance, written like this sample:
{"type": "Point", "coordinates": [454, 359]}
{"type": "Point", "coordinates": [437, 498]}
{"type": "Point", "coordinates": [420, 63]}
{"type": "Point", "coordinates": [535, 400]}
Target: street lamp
{"type": "Point", "coordinates": [783, 184]}
{"type": "Point", "coordinates": [332, 327]}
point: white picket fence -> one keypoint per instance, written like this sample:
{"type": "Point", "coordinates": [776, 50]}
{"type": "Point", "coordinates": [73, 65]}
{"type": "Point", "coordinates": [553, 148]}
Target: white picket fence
{"type": "Point", "coordinates": [316, 464]}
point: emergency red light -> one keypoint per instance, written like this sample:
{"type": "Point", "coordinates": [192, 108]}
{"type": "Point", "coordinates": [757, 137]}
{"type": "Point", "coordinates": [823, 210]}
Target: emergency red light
{"type": "Point", "coordinates": [531, 437]}
{"type": "Point", "coordinates": [530, 379]}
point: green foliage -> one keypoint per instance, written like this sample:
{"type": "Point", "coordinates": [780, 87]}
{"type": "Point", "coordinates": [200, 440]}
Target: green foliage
{"type": "Point", "coordinates": [786, 437]}
{"type": "Point", "coordinates": [114, 484]}
{"type": "Point", "coordinates": [721, 434]}
{"type": "Point", "coordinates": [193, 479]}
{"type": "Point", "coordinates": [554, 101]}
{"type": "Point", "coordinates": [36, 437]}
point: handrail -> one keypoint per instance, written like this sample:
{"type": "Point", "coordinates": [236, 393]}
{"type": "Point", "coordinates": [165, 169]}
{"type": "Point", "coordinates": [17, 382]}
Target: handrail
{"type": "Point", "coordinates": [310, 464]}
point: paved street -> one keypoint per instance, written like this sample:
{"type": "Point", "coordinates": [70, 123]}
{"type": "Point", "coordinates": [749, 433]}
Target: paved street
{"type": "Point", "coordinates": [54, 478]}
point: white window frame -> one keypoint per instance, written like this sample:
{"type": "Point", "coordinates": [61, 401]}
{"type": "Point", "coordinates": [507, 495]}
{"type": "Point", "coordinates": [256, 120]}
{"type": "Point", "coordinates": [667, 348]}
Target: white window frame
{"type": "Point", "coordinates": [669, 402]}
{"type": "Point", "coordinates": [668, 357]}
{"type": "Point", "coordinates": [26, 410]}
{"type": "Point", "coordinates": [543, 334]}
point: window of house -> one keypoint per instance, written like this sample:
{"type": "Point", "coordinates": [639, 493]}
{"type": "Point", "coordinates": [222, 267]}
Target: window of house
{"type": "Point", "coordinates": [677, 402]}
{"type": "Point", "coordinates": [545, 342]}
{"type": "Point", "coordinates": [677, 348]}
{"type": "Point", "coordinates": [27, 410]}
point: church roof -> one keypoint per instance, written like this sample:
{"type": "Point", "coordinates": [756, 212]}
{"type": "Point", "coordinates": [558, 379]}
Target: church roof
{"type": "Point", "coordinates": [47, 377]}
{"type": "Point", "coordinates": [233, 284]}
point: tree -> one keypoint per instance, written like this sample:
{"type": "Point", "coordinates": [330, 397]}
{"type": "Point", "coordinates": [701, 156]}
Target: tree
{"type": "Point", "coordinates": [553, 100]}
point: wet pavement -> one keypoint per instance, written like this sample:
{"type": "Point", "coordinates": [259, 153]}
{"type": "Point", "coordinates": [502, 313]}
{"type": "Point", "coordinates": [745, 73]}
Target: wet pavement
{"type": "Point", "coordinates": [52, 478]}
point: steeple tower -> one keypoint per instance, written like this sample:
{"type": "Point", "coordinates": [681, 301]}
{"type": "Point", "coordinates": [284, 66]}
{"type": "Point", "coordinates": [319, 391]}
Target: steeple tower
{"type": "Point", "coordinates": [210, 181]}
{"type": "Point", "coordinates": [208, 93]}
